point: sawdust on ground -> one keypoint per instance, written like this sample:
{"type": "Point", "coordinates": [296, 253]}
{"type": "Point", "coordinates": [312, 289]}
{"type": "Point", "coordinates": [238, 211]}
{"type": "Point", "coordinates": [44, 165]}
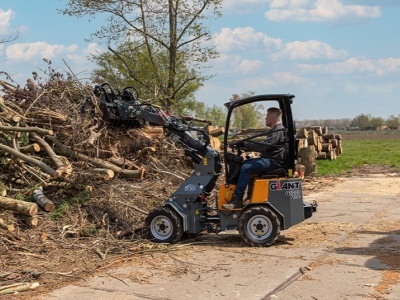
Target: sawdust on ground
{"type": "Point", "coordinates": [57, 256]}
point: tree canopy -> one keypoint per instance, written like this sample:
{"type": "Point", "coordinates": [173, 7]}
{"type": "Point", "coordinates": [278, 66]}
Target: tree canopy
{"type": "Point", "coordinates": [168, 38]}
{"type": "Point", "coordinates": [247, 116]}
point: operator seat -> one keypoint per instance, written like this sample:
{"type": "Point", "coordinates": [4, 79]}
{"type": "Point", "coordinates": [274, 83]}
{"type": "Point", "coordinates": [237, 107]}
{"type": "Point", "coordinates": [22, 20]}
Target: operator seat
{"type": "Point", "coordinates": [274, 173]}
{"type": "Point", "coordinates": [270, 174]}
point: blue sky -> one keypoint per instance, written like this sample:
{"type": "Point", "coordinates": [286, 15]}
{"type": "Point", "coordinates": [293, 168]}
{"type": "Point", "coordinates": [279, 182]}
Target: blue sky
{"type": "Point", "coordinates": [340, 58]}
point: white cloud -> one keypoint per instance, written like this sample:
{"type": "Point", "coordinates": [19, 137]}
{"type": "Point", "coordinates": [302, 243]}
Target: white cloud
{"type": "Point", "coordinates": [308, 50]}
{"type": "Point", "coordinates": [287, 78]}
{"type": "Point", "coordinates": [5, 19]}
{"type": "Point", "coordinates": [249, 66]}
{"type": "Point", "coordinates": [27, 51]}
{"type": "Point", "coordinates": [378, 67]}
{"type": "Point", "coordinates": [272, 80]}
{"type": "Point", "coordinates": [228, 65]}
{"type": "Point", "coordinates": [243, 38]}
{"type": "Point", "coordinates": [242, 6]}
{"type": "Point", "coordinates": [289, 3]}
{"type": "Point", "coordinates": [319, 10]}
{"type": "Point", "coordinates": [93, 49]}
{"type": "Point", "coordinates": [80, 58]}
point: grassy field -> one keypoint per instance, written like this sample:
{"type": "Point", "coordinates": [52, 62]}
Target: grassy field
{"type": "Point", "coordinates": [358, 150]}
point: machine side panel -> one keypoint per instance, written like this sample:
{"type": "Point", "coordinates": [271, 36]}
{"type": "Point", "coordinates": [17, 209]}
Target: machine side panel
{"type": "Point", "coordinates": [286, 196]}
{"type": "Point", "coordinates": [187, 196]}
{"type": "Point", "coordinates": [229, 220]}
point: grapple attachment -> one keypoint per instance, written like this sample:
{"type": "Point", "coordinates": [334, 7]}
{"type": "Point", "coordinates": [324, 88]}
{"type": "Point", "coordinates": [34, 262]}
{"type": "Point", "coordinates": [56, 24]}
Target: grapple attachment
{"type": "Point", "coordinates": [122, 108]}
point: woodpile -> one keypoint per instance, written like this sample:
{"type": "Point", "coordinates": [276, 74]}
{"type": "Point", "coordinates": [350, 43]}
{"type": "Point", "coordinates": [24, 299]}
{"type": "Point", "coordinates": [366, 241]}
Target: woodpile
{"type": "Point", "coordinates": [46, 140]}
{"type": "Point", "coordinates": [315, 143]}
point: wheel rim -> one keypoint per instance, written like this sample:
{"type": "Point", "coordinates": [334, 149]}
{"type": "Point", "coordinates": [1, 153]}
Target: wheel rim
{"type": "Point", "coordinates": [161, 227]}
{"type": "Point", "coordinates": [259, 227]}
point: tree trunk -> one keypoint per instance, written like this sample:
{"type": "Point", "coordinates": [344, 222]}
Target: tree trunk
{"type": "Point", "coordinates": [43, 201]}
{"type": "Point", "coordinates": [31, 148]}
{"type": "Point", "coordinates": [215, 143]}
{"type": "Point", "coordinates": [28, 220]}
{"type": "Point", "coordinates": [308, 159]}
{"type": "Point", "coordinates": [326, 147]}
{"type": "Point", "coordinates": [312, 138]}
{"type": "Point", "coordinates": [303, 143]}
{"type": "Point", "coordinates": [302, 133]}
{"type": "Point", "coordinates": [98, 174]}
{"type": "Point", "coordinates": [217, 131]}
{"type": "Point", "coordinates": [331, 155]}
{"type": "Point", "coordinates": [334, 142]}
{"type": "Point", "coordinates": [5, 226]}
{"type": "Point", "coordinates": [23, 207]}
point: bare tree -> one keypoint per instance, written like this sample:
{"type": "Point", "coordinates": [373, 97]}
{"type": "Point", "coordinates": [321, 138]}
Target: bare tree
{"type": "Point", "coordinates": [174, 29]}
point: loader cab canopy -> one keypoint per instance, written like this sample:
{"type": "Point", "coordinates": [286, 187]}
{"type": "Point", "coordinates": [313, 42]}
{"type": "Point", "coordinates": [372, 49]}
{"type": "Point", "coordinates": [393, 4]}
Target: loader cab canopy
{"type": "Point", "coordinates": [283, 101]}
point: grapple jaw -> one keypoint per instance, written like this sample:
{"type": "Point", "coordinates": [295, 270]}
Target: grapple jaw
{"type": "Point", "coordinates": [122, 108]}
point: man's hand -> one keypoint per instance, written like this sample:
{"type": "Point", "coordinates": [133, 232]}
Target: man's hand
{"type": "Point", "coordinates": [238, 144]}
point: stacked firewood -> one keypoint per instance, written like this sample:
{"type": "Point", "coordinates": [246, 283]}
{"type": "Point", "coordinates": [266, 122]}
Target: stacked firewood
{"type": "Point", "coordinates": [315, 143]}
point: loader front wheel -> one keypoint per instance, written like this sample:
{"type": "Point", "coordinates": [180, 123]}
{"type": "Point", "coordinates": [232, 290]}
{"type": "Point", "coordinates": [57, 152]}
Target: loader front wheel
{"type": "Point", "coordinates": [259, 226]}
{"type": "Point", "coordinates": [163, 225]}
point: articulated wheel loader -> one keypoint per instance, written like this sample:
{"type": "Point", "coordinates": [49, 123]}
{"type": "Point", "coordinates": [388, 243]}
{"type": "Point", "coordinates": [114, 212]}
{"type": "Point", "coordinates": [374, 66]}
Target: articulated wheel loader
{"type": "Point", "coordinates": [275, 199]}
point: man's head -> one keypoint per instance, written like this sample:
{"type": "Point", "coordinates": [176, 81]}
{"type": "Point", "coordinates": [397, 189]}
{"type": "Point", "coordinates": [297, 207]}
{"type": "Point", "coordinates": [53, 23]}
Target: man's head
{"type": "Point", "coordinates": [273, 117]}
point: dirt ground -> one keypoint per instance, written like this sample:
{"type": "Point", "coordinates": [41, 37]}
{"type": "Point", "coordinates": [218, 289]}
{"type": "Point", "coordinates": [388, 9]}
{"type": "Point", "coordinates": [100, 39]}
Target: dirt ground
{"type": "Point", "coordinates": [347, 250]}
{"type": "Point", "coordinates": [57, 255]}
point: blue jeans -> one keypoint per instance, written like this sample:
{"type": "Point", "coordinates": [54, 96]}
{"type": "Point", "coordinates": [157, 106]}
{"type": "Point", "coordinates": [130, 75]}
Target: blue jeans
{"type": "Point", "coordinates": [252, 167]}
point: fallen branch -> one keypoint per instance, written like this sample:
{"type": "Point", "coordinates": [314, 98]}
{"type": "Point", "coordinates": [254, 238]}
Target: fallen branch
{"type": "Point", "coordinates": [17, 287]}
{"type": "Point", "coordinates": [45, 168]}
{"type": "Point", "coordinates": [28, 220]}
{"type": "Point", "coordinates": [26, 129]}
{"type": "Point", "coordinates": [23, 207]}
{"type": "Point", "coordinates": [46, 147]}
{"type": "Point", "coordinates": [95, 161]}
{"type": "Point", "coordinates": [4, 226]}
{"type": "Point", "coordinates": [31, 148]}
{"type": "Point", "coordinates": [43, 201]}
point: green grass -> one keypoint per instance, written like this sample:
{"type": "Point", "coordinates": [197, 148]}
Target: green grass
{"type": "Point", "coordinates": [360, 152]}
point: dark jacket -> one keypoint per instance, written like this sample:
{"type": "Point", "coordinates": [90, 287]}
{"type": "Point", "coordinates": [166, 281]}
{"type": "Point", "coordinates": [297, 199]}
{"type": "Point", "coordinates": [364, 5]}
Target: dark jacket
{"type": "Point", "coordinates": [273, 145]}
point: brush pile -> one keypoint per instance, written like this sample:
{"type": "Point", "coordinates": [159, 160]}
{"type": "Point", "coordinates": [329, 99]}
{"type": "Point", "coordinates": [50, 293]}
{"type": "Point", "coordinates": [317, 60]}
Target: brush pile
{"type": "Point", "coordinates": [74, 191]}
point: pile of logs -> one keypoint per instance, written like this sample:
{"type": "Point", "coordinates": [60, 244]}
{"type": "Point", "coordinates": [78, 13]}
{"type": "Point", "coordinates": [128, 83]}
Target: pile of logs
{"type": "Point", "coordinates": [45, 140]}
{"type": "Point", "coordinates": [315, 143]}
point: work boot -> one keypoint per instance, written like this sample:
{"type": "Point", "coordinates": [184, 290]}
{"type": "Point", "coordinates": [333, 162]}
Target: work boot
{"type": "Point", "coordinates": [236, 202]}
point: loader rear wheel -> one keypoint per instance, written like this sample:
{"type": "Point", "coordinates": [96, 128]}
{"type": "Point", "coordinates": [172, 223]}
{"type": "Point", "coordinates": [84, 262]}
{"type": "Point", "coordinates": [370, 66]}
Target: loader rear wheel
{"type": "Point", "coordinates": [259, 226]}
{"type": "Point", "coordinates": [163, 225]}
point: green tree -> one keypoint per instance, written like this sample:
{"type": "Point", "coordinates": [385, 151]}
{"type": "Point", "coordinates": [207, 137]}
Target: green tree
{"type": "Point", "coordinates": [247, 116]}
{"type": "Point", "coordinates": [376, 122]}
{"type": "Point", "coordinates": [393, 122]}
{"type": "Point", "coordinates": [216, 115]}
{"type": "Point", "coordinates": [130, 66]}
{"type": "Point", "coordinates": [361, 122]}
{"type": "Point", "coordinates": [172, 33]}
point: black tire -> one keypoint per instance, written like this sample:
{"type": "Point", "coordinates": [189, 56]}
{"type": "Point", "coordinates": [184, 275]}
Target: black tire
{"type": "Point", "coordinates": [163, 225]}
{"type": "Point", "coordinates": [259, 226]}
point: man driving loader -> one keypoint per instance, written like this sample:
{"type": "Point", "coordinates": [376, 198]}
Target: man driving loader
{"type": "Point", "coordinates": [271, 156]}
